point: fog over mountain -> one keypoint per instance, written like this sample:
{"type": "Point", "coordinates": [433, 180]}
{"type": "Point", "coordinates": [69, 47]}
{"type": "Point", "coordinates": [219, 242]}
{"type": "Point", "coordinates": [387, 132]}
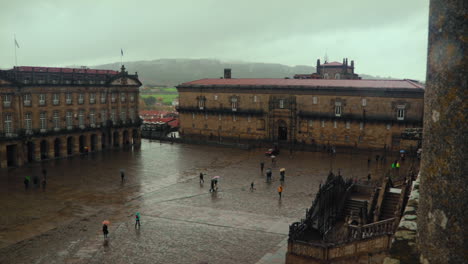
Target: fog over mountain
{"type": "Point", "coordinates": [171, 72]}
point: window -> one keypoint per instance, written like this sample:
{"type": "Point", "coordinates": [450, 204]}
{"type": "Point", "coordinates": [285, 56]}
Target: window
{"type": "Point", "coordinates": [92, 98]}
{"type": "Point", "coordinates": [55, 99]}
{"type": "Point", "coordinates": [69, 119]}
{"type": "Point", "coordinates": [132, 114]}
{"type": "Point", "coordinates": [234, 103]}
{"type": "Point", "coordinates": [201, 103]}
{"type": "Point", "coordinates": [314, 100]}
{"type": "Point", "coordinates": [92, 118]}
{"type": "Point", "coordinates": [323, 123]}
{"type": "Point", "coordinates": [69, 98]}
{"type": "Point", "coordinates": [122, 97]}
{"type": "Point", "coordinates": [123, 115]}
{"type": "Point", "coordinates": [281, 103]}
{"type": "Point", "coordinates": [335, 125]}
{"type": "Point", "coordinates": [112, 115]}
{"type": "Point", "coordinates": [28, 122]}
{"type": "Point", "coordinates": [7, 100]}
{"type": "Point", "coordinates": [113, 97]}
{"type": "Point", "coordinates": [193, 115]}
{"type": "Point", "coordinates": [8, 127]}
{"type": "Point", "coordinates": [103, 117]}
{"type": "Point", "coordinates": [56, 120]}
{"type": "Point", "coordinates": [234, 118]}
{"type": "Point", "coordinates": [389, 126]}
{"type": "Point", "coordinates": [364, 102]}
{"type": "Point", "coordinates": [27, 100]}
{"type": "Point", "coordinates": [325, 76]}
{"type": "Point", "coordinates": [255, 98]}
{"type": "Point", "coordinates": [361, 125]}
{"type": "Point", "coordinates": [401, 112]}
{"type": "Point", "coordinates": [43, 121]}
{"type": "Point", "coordinates": [42, 99]}
{"type": "Point", "coordinates": [337, 76]}
{"type": "Point", "coordinates": [249, 118]}
{"type": "Point", "coordinates": [338, 109]}
{"type": "Point", "coordinates": [132, 97]}
{"type": "Point", "coordinates": [80, 98]}
{"type": "Point", "coordinates": [219, 117]}
{"type": "Point", "coordinates": [103, 97]}
{"type": "Point", "coordinates": [311, 123]}
{"type": "Point", "coordinates": [215, 97]}
{"type": "Point", "coordinates": [360, 139]}
{"type": "Point", "coordinates": [81, 119]}
{"type": "Point", "coordinates": [348, 124]}
{"type": "Point", "coordinates": [260, 124]}
{"type": "Point", "coordinates": [206, 116]}
{"type": "Point", "coordinates": [346, 138]}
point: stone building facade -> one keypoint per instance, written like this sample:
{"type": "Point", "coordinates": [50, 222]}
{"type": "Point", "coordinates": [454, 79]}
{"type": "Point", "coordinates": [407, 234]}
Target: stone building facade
{"type": "Point", "coordinates": [57, 112]}
{"type": "Point", "coordinates": [369, 114]}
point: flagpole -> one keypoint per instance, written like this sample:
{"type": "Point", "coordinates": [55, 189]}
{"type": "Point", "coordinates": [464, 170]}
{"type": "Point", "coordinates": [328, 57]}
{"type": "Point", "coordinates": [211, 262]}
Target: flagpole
{"type": "Point", "coordinates": [16, 59]}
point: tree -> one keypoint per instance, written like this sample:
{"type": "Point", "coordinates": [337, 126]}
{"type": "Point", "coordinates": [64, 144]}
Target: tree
{"type": "Point", "coordinates": [150, 100]}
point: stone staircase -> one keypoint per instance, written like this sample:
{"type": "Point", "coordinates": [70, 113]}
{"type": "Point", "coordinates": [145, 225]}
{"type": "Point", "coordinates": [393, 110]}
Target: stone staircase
{"type": "Point", "coordinates": [390, 203]}
{"type": "Point", "coordinates": [354, 205]}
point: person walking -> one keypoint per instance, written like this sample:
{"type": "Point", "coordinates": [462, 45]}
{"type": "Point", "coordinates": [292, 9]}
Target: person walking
{"type": "Point", "coordinates": [368, 177]}
{"type": "Point", "coordinates": [262, 165]}
{"type": "Point", "coordinates": [27, 179]}
{"type": "Point", "coordinates": [137, 220]}
{"type": "Point", "coordinates": [268, 174]}
{"type": "Point", "coordinates": [44, 183]}
{"type": "Point", "coordinates": [252, 187]}
{"type": "Point", "coordinates": [282, 175]}
{"type": "Point", "coordinates": [201, 178]}
{"type": "Point", "coordinates": [212, 186]}
{"type": "Point", "coordinates": [105, 230]}
{"type": "Point", "coordinates": [280, 190]}
{"type": "Point", "coordinates": [122, 175]}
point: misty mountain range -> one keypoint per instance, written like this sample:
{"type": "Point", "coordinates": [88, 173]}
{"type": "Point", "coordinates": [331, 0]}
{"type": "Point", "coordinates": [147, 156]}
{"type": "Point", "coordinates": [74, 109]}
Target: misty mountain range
{"type": "Point", "coordinates": [171, 72]}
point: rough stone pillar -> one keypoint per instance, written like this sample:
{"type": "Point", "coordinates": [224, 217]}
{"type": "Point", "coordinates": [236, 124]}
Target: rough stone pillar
{"type": "Point", "coordinates": [51, 150]}
{"type": "Point", "coordinates": [37, 150]}
{"type": "Point", "coordinates": [20, 155]}
{"type": "Point", "coordinates": [76, 145]}
{"type": "Point", "coordinates": [63, 146]}
{"type": "Point", "coordinates": [442, 217]}
{"type": "Point", "coordinates": [98, 142]}
{"type": "Point", "coordinates": [3, 156]}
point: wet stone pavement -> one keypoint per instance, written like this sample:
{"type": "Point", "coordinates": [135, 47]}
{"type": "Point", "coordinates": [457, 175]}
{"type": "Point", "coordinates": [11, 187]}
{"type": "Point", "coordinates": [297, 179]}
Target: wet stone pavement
{"type": "Point", "coordinates": [181, 221]}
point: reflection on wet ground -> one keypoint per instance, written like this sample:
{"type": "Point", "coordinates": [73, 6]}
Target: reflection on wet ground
{"type": "Point", "coordinates": [182, 222]}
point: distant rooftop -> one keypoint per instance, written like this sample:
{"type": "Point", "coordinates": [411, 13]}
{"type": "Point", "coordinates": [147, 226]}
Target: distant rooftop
{"type": "Point", "coordinates": [305, 83]}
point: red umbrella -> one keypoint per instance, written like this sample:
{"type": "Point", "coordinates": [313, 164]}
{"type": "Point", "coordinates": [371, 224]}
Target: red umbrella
{"type": "Point", "coordinates": [106, 222]}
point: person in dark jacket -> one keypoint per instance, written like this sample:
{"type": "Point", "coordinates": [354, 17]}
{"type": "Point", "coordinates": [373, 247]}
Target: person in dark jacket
{"type": "Point", "coordinates": [105, 230]}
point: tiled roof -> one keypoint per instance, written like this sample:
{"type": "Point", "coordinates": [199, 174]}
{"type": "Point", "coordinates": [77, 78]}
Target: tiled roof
{"type": "Point", "coordinates": [65, 70]}
{"type": "Point", "coordinates": [333, 63]}
{"type": "Point", "coordinates": [310, 83]}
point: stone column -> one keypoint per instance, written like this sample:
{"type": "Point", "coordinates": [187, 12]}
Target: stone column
{"type": "Point", "coordinates": [442, 217]}
{"type": "Point", "coordinates": [63, 146]}
{"type": "Point", "coordinates": [76, 144]}
{"type": "Point", "coordinates": [98, 142]}
{"type": "Point", "coordinates": [37, 149]}
{"type": "Point", "coordinates": [3, 156]}
{"type": "Point", "coordinates": [51, 150]}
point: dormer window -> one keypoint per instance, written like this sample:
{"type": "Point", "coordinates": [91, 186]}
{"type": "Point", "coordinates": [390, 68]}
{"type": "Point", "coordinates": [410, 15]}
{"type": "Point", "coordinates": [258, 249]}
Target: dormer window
{"type": "Point", "coordinates": [401, 112]}
{"type": "Point", "coordinates": [234, 103]}
{"type": "Point", "coordinates": [338, 109]}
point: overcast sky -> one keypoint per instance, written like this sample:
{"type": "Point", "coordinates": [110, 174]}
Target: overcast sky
{"type": "Point", "coordinates": [385, 38]}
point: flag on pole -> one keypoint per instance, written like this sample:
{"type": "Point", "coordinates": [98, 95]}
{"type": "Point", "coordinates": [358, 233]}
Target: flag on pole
{"type": "Point", "coordinates": [121, 52]}
{"type": "Point", "coordinates": [16, 43]}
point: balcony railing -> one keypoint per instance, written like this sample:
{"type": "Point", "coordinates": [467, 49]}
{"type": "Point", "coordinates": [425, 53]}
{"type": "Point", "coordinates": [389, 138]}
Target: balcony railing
{"type": "Point", "coordinates": [6, 103]}
{"type": "Point", "coordinates": [27, 102]}
{"type": "Point", "coordinates": [205, 110]}
{"type": "Point", "coordinates": [357, 117]}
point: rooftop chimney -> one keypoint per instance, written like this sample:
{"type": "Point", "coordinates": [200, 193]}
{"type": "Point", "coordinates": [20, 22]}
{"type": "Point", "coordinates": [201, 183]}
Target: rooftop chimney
{"type": "Point", "coordinates": [227, 73]}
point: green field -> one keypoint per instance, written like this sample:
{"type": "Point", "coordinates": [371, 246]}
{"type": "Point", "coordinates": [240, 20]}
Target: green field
{"type": "Point", "coordinates": [167, 98]}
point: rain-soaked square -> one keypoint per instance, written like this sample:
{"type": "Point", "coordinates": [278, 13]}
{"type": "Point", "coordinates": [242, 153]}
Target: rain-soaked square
{"type": "Point", "coordinates": [181, 220]}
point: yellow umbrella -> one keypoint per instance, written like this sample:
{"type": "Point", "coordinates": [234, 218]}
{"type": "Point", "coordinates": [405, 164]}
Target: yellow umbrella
{"type": "Point", "coordinates": [282, 169]}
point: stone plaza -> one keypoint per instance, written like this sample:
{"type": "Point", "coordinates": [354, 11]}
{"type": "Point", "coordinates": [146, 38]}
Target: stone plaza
{"type": "Point", "coordinates": [181, 220]}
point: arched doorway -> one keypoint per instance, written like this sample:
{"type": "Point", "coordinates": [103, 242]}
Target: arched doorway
{"type": "Point", "coordinates": [116, 139]}
{"type": "Point", "coordinates": [93, 142]}
{"type": "Point", "coordinates": [70, 143]}
{"type": "Point", "coordinates": [126, 139]}
{"type": "Point", "coordinates": [103, 141]}
{"type": "Point", "coordinates": [57, 144]}
{"type": "Point", "coordinates": [30, 151]}
{"type": "Point", "coordinates": [282, 130]}
{"type": "Point", "coordinates": [82, 143]}
{"type": "Point", "coordinates": [44, 149]}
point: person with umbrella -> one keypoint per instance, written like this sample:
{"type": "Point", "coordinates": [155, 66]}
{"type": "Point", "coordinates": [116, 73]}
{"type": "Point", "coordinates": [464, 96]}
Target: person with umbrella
{"type": "Point", "coordinates": [105, 229]}
{"type": "Point", "coordinates": [215, 179]}
{"type": "Point", "coordinates": [201, 178]}
{"type": "Point", "coordinates": [268, 174]}
{"type": "Point", "coordinates": [280, 190]}
{"type": "Point", "coordinates": [137, 220]}
{"type": "Point", "coordinates": [283, 174]}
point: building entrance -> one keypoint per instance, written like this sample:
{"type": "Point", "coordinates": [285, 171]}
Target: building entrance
{"type": "Point", "coordinates": [282, 130]}
{"type": "Point", "coordinates": [11, 155]}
